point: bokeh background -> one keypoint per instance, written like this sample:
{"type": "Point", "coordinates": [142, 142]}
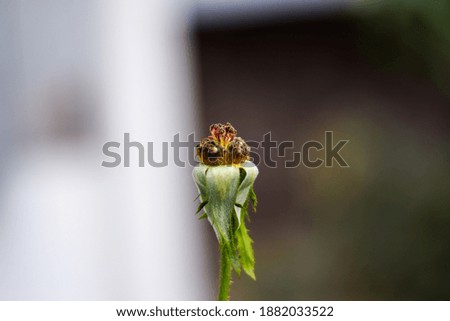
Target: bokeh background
{"type": "Point", "coordinates": [76, 74]}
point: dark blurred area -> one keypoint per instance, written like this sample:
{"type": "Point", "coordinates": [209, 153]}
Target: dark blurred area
{"type": "Point", "coordinates": [377, 74]}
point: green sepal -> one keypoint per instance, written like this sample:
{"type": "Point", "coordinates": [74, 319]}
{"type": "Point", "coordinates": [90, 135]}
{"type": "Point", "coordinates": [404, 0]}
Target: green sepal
{"type": "Point", "coordinates": [218, 187]}
{"type": "Point", "coordinates": [224, 194]}
{"type": "Point", "coordinates": [200, 207]}
{"type": "Point", "coordinates": [233, 254]}
{"type": "Point", "coordinates": [203, 216]}
{"type": "Point", "coordinates": [248, 171]}
{"type": "Point", "coordinates": [253, 199]}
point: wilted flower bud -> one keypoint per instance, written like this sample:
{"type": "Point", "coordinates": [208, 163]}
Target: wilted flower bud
{"type": "Point", "coordinates": [238, 151]}
{"type": "Point", "coordinates": [210, 153]}
{"type": "Point", "coordinates": [225, 180]}
{"type": "Point", "coordinates": [223, 147]}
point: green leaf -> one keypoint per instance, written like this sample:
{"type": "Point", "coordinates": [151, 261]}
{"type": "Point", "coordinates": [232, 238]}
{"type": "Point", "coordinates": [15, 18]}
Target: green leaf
{"type": "Point", "coordinates": [246, 255]}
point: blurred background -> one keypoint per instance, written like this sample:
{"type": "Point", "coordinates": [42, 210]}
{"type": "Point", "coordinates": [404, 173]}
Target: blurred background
{"type": "Point", "coordinates": [76, 74]}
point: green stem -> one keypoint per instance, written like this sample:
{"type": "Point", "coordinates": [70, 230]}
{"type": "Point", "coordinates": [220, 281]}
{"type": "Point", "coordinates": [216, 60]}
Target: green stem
{"type": "Point", "coordinates": [225, 274]}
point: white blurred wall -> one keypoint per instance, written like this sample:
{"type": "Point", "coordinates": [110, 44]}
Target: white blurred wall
{"type": "Point", "coordinates": [75, 74]}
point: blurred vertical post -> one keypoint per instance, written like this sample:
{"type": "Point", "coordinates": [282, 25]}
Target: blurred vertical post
{"type": "Point", "coordinates": [146, 86]}
{"type": "Point", "coordinates": [86, 73]}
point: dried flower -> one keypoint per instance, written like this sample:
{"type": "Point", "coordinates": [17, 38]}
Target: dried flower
{"type": "Point", "coordinates": [223, 147]}
{"type": "Point", "coordinates": [225, 180]}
